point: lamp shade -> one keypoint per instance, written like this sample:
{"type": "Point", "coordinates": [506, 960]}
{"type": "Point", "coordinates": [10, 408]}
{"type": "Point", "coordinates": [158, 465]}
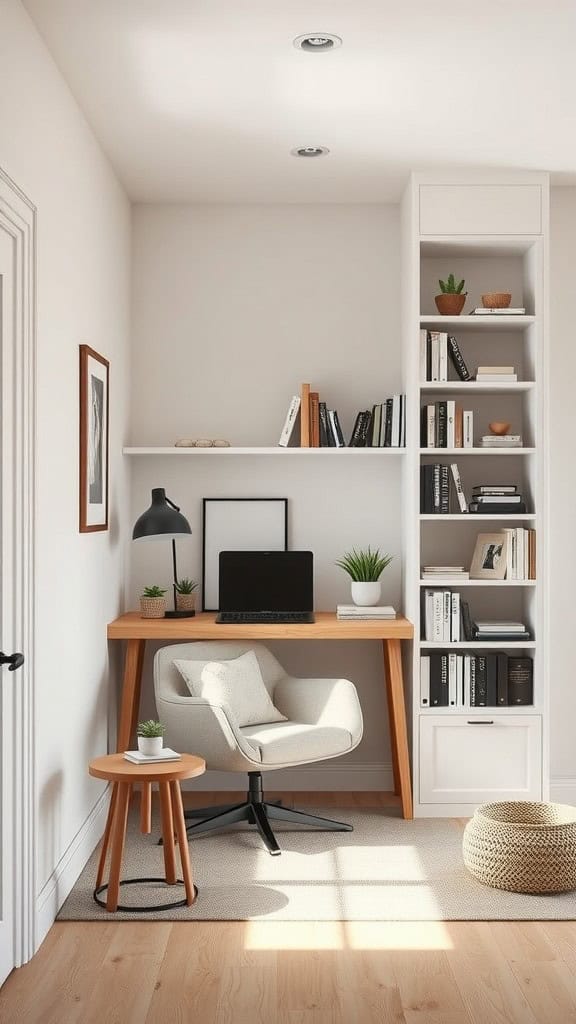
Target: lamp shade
{"type": "Point", "coordinates": [161, 521]}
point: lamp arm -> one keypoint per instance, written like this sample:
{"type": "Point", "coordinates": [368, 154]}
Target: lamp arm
{"type": "Point", "coordinates": [174, 569]}
{"type": "Point", "coordinates": [171, 503]}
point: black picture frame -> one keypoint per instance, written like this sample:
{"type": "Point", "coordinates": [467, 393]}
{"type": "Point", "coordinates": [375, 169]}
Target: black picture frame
{"type": "Point", "coordinates": [216, 538]}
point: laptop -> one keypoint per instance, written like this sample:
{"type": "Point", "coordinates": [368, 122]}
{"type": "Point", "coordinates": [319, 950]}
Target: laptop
{"type": "Point", "coordinates": [266, 586]}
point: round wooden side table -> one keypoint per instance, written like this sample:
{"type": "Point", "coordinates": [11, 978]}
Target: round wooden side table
{"type": "Point", "coordinates": [123, 775]}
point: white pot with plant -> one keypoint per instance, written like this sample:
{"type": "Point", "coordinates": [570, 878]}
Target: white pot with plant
{"type": "Point", "coordinates": [150, 737]}
{"type": "Point", "coordinates": [185, 596]}
{"type": "Point", "coordinates": [153, 603]}
{"type": "Point", "coordinates": [365, 568]}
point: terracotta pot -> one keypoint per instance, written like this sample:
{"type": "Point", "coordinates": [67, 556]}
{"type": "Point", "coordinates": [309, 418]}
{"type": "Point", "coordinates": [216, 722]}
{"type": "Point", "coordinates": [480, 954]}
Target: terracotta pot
{"type": "Point", "coordinates": [152, 607]}
{"type": "Point", "coordinates": [185, 602]}
{"type": "Point", "coordinates": [450, 304]}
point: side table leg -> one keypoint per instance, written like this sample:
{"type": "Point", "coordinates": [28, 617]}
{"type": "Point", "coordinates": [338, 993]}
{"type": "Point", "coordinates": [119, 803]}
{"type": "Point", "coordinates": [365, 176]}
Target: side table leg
{"type": "Point", "coordinates": [118, 839]}
{"type": "Point", "coordinates": [167, 833]}
{"type": "Point", "coordinates": [397, 715]}
{"type": "Point", "coordinates": [130, 701]}
{"type": "Point", "coordinates": [107, 833]}
{"type": "Point", "coordinates": [183, 847]}
{"type": "Point", "coordinates": [146, 808]}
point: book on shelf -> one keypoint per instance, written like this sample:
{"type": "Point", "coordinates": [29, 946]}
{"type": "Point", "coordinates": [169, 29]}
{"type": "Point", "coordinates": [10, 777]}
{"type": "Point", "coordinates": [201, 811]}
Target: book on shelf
{"type": "Point", "coordinates": [468, 429]}
{"type": "Point", "coordinates": [494, 311]}
{"type": "Point", "coordinates": [335, 428]}
{"type": "Point", "coordinates": [290, 422]}
{"type": "Point", "coordinates": [458, 359]}
{"type": "Point", "coordinates": [304, 415]}
{"type": "Point", "coordinates": [496, 378]}
{"type": "Point", "coordinates": [497, 500]}
{"type": "Point", "coordinates": [494, 679]}
{"type": "Point", "coordinates": [461, 497]}
{"type": "Point", "coordinates": [441, 616]}
{"type": "Point", "coordinates": [496, 369]}
{"type": "Point", "coordinates": [314, 419]}
{"type": "Point", "coordinates": [500, 632]}
{"type": "Point", "coordinates": [434, 489]}
{"type": "Point", "coordinates": [501, 441]}
{"type": "Point", "coordinates": [325, 433]}
{"type": "Point", "coordinates": [353, 611]}
{"type": "Point", "coordinates": [445, 424]}
{"type": "Point", "coordinates": [480, 489]}
{"type": "Point", "coordinates": [436, 349]}
{"type": "Point", "coordinates": [166, 754]}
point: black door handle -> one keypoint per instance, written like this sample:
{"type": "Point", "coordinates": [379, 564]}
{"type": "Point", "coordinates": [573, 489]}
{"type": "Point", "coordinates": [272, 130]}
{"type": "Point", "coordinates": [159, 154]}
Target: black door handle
{"type": "Point", "coordinates": [13, 661]}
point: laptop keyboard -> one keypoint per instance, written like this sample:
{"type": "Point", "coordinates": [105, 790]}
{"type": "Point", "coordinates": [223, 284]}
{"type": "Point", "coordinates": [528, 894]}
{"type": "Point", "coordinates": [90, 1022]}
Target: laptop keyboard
{"type": "Point", "coordinates": [239, 617]}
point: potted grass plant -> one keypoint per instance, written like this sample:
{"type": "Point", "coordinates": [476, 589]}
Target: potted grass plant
{"type": "Point", "coordinates": [452, 296]}
{"type": "Point", "coordinates": [365, 568]}
{"type": "Point", "coordinates": [185, 596]}
{"type": "Point", "coordinates": [153, 603]}
{"type": "Point", "coordinates": [150, 737]}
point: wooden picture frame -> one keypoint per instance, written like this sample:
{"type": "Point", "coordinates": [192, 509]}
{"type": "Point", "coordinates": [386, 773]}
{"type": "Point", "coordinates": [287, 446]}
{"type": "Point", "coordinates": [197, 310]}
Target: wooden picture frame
{"type": "Point", "coordinates": [93, 440]}
{"type": "Point", "coordinates": [238, 524]}
{"type": "Point", "coordinates": [489, 560]}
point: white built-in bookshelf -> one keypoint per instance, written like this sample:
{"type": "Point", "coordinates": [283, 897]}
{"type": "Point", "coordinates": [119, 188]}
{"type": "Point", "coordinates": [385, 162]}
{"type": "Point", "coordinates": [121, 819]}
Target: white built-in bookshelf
{"type": "Point", "coordinates": [491, 230]}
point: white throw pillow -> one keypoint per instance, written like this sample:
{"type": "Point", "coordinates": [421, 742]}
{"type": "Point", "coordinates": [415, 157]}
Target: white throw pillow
{"type": "Point", "coordinates": [237, 683]}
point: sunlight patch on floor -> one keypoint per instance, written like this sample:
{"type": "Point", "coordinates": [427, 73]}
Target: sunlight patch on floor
{"type": "Point", "coordinates": [295, 935]}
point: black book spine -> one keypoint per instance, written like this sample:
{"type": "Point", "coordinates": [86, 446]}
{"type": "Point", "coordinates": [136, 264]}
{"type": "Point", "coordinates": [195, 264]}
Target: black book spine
{"type": "Point", "coordinates": [338, 428]}
{"type": "Point", "coordinates": [325, 433]}
{"type": "Point", "coordinates": [435, 680]}
{"type": "Point", "coordinates": [444, 681]}
{"type": "Point", "coordinates": [444, 490]}
{"type": "Point", "coordinates": [423, 489]}
{"type": "Point", "coordinates": [520, 681]}
{"type": "Point", "coordinates": [428, 356]}
{"type": "Point", "coordinates": [436, 467]}
{"type": "Point", "coordinates": [441, 424]}
{"type": "Point", "coordinates": [491, 680]}
{"type": "Point", "coordinates": [356, 432]}
{"type": "Point", "coordinates": [497, 507]}
{"type": "Point", "coordinates": [366, 428]}
{"type": "Point", "coordinates": [457, 358]}
{"type": "Point", "coordinates": [424, 427]}
{"type": "Point", "coordinates": [481, 681]}
{"type": "Point", "coordinates": [387, 414]}
{"type": "Point", "coordinates": [473, 666]}
{"type": "Point", "coordinates": [467, 624]}
{"type": "Point", "coordinates": [502, 679]}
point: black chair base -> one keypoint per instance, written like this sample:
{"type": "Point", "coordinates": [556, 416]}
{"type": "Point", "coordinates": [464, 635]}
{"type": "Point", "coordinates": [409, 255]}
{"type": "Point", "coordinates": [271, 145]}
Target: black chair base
{"type": "Point", "coordinates": [259, 812]}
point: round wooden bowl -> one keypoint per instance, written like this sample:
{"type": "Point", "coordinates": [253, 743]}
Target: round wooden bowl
{"type": "Point", "coordinates": [496, 300]}
{"type": "Point", "coordinates": [450, 304]}
{"type": "Point", "coordinates": [499, 428]}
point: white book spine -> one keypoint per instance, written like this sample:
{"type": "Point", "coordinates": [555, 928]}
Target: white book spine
{"type": "Point", "coordinates": [423, 353]}
{"type": "Point", "coordinates": [468, 428]}
{"type": "Point", "coordinates": [466, 681]}
{"type": "Point", "coordinates": [395, 443]}
{"type": "Point", "coordinates": [452, 680]}
{"type": "Point", "coordinates": [442, 356]}
{"type": "Point", "coordinates": [290, 421]}
{"type": "Point", "coordinates": [450, 424]}
{"type": "Point", "coordinates": [460, 681]}
{"type": "Point", "coordinates": [447, 623]}
{"type": "Point", "coordinates": [458, 487]}
{"type": "Point", "coordinates": [425, 681]}
{"type": "Point", "coordinates": [435, 359]}
{"type": "Point", "coordinates": [438, 625]}
{"type": "Point", "coordinates": [455, 618]}
{"type": "Point", "coordinates": [431, 424]}
{"type": "Point", "coordinates": [428, 614]}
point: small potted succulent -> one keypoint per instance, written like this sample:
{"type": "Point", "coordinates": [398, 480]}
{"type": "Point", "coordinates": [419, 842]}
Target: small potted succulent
{"type": "Point", "coordinates": [153, 603]}
{"type": "Point", "coordinates": [452, 298]}
{"type": "Point", "coordinates": [185, 596]}
{"type": "Point", "coordinates": [150, 737]}
{"type": "Point", "coordinates": [365, 568]}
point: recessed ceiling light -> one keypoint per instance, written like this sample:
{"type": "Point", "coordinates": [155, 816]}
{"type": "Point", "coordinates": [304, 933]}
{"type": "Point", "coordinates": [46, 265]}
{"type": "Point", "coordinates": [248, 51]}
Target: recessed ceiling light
{"type": "Point", "coordinates": [317, 42]}
{"type": "Point", "coordinates": [309, 151]}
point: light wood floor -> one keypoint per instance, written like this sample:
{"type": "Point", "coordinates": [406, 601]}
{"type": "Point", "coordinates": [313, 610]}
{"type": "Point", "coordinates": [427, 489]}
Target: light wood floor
{"type": "Point", "coordinates": [298, 973]}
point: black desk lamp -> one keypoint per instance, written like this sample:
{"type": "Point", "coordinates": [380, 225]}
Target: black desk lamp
{"type": "Point", "coordinates": [164, 521]}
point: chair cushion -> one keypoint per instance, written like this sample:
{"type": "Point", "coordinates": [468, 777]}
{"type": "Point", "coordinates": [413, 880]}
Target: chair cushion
{"type": "Point", "coordinates": [296, 743]}
{"type": "Point", "coordinates": [237, 683]}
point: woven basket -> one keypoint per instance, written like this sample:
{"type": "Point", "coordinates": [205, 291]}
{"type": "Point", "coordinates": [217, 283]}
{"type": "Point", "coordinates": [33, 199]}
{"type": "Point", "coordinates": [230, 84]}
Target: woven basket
{"type": "Point", "coordinates": [522, 846]}
{"type": "Point", "coordinates": [496, 300]}
{"type": "Point", "coordinates": [152, 607]}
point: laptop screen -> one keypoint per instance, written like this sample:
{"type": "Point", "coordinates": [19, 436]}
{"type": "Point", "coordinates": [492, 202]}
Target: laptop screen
{"type": "Point", "coordinates": [258, 581]}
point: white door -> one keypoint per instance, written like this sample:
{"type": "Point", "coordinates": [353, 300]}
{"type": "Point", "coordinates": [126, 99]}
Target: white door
{"type": "Point", "coordinates": [17, 909]}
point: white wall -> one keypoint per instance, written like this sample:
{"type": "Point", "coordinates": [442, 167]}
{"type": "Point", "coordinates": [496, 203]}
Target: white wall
{"type": "Point", "coordinates": [232, 308]}
{"type": "Point", "coordinates": [83, 289]}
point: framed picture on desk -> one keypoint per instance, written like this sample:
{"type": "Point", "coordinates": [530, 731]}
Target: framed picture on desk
{"type": "Point", "coordinates": [238, 524]}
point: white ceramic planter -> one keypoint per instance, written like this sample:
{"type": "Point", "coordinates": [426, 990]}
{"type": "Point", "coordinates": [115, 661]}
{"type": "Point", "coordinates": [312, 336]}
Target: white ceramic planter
{"type": "Point", "coordinates": [150, 745]}
{"type": "Point", "coordinates": [366, 594]}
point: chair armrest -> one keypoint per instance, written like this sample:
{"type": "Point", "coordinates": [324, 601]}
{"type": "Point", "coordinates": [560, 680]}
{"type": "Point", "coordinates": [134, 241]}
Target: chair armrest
{"type": "Point", "coordinates": [332, 702]}
{"type": "Point", "coordinates": [200, 727]}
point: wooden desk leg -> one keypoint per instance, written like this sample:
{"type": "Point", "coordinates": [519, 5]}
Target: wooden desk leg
{"type": "Point", "coordinates": [118, 839]}
{"type": "Point", "coordinates": [130, 701]}
{"type": "Point", "coordinates": [397, 716]}
{"type": "Point", "coordinates": [107, 833]}
{"type": "Point", "coordinates": [167, 833]}
{"type": "Point", "coordinates": [180, 824]}
{"type": "Point", "coordinates": [146, 808]}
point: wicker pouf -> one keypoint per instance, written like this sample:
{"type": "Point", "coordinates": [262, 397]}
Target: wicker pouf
{"type": "Point", "coordinates": [522, 846]}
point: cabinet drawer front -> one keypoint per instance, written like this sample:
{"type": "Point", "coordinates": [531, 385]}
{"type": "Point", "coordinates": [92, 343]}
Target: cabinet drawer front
{"type": "Point", "coordinates": [480, 210]}
{"type": "Point", "coordinates": [468, 759]}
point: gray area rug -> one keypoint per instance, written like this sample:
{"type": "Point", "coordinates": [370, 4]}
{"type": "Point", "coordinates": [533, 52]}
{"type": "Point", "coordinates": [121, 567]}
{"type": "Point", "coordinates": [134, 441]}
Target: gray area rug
{"type": "Point", "coordinates": [388, 869]}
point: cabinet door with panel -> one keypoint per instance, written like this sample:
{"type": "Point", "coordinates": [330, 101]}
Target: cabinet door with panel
{"type": "Point", "coordinates": [472, 759]}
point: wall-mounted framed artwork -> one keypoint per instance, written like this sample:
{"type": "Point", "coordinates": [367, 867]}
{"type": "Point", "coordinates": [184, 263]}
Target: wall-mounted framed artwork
{"type": "Point", "coordinates": [94, 385]}
{"type": "Point", "coordinates": [238, 524]}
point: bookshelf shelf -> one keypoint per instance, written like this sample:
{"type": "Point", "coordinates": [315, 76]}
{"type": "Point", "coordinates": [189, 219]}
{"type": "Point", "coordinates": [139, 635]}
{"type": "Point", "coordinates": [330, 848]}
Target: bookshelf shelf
{"type": "Point", "coordinates": [464, 224]}
{"type": "Point", "coordinates": [307, 453]}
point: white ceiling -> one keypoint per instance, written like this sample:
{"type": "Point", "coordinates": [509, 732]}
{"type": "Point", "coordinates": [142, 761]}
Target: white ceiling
{"type": "Point", "coordinates": [202, 100]}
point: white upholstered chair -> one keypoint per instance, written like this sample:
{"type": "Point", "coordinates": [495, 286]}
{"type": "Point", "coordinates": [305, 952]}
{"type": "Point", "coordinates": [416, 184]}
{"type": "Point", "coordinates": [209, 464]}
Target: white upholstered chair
{"type": "Point", "coordinates": [324, 720]}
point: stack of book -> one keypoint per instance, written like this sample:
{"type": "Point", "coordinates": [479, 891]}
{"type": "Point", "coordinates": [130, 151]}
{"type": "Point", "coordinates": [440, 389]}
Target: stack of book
{"type": "Point", "coordinates": [442, 616]}
{"type": "Point", "coordinates": [166, 754]}
{"type": "Point", "coordinates": [475, 680]}
{"type": "Point", "coordinates": [354, 611]}
{"type": "Point", "coordinates": [520, 553]}
{"type": "Point", "coordinates": [496, 374]}
{"type": "Point", "coordinates": [384, 426]}
{"type": "Point", "coordinates": [500, 311]}
{"type": "Point", "coordinates": [499, 631]}
{"type": "Point", "coordinates": [444, 573]}
{"type": "Point", "coordinates": [446, 425]}
{"type": "Point", "coordinates": [436, 348]}
{"type": "Point", "coordinates": [501, 441]}
{"type": "Point", "coordinates": [435, 489]}
{"type": "Point", "coordinates": [497, 499]}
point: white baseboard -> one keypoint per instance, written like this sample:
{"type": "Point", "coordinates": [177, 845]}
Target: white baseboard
{"type": "Point", "coordinates": [56, 889]}
{"type": "Point", "coordinates": [563, 790]}
{"type": "Point", "coordinates": [322, 778]}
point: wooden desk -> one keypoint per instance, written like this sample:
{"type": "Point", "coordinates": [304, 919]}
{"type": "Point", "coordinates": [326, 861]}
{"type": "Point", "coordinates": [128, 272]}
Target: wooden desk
{"type": "Point", "coordinates": [136, 631]}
